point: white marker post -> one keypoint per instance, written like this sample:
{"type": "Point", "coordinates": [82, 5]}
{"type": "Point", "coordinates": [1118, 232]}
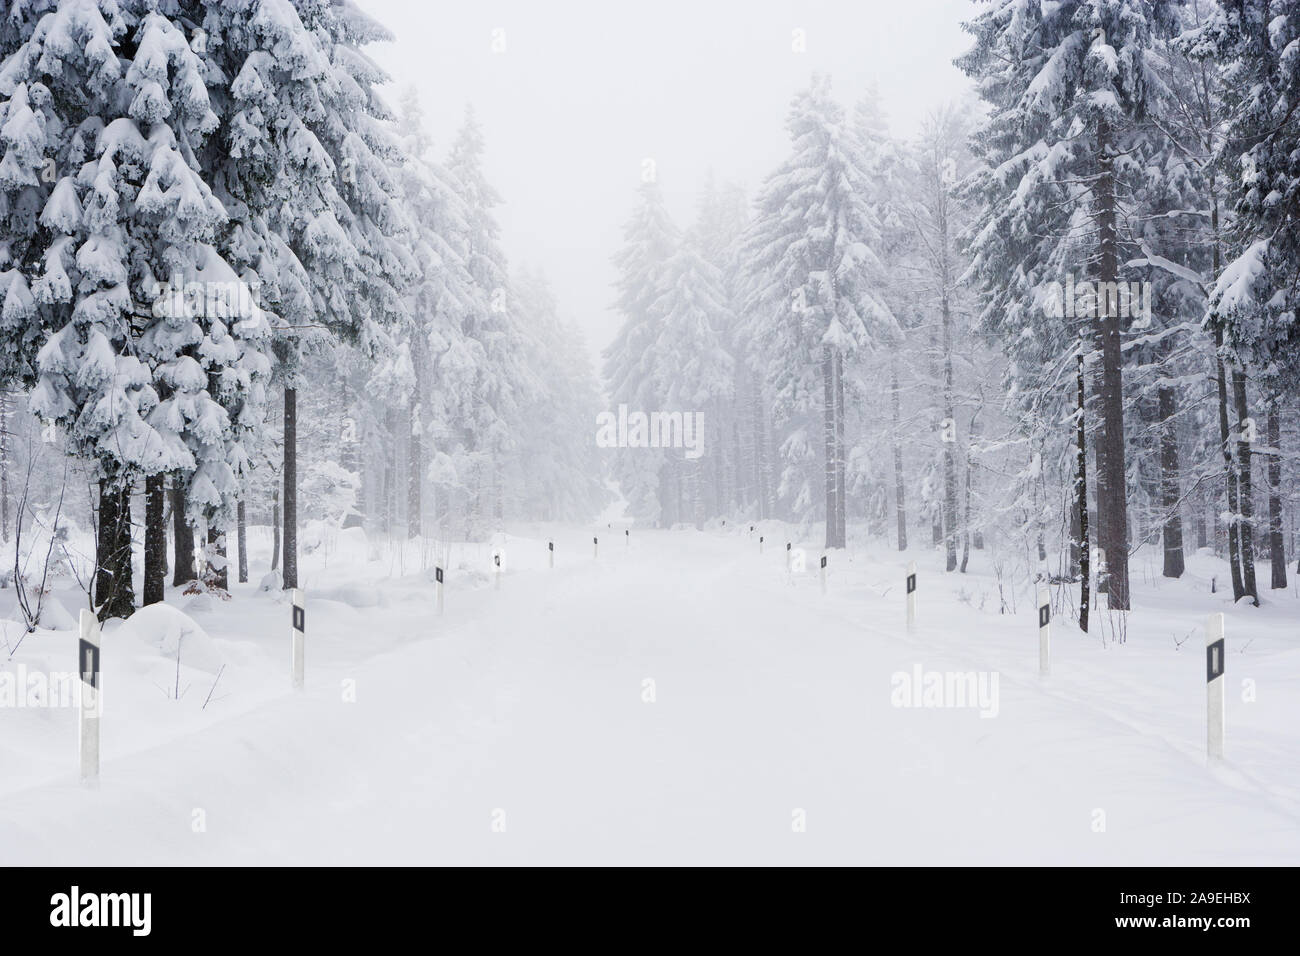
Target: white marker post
{"type": "Point", "coordinates": [595, 547]}
{"type": "Point", "coordinates": [760, 544]}
{"type": "Point", "coordinates": [299, 636]}
{"type": "Point", "coordinates": [1214, 661]}
{"type": "Point", "coordinates": [787, 557]}
{"type": "Point", "coordinates": [627, 537]}
{"type": "Point", "coordinates": [823, 574]}
{"type": "Point", "coordinates": [550, 554]}
{"type": "Point", "coordinates": [911, 595]}
{"type": "Point", "coordinates": [1044, 633]}
{"type": "Point", "coordinates": [437, 578]}
{"type": "Point", "coordinates": [91, 708]}
{"type": "Point", "coordinates": [496, 560]}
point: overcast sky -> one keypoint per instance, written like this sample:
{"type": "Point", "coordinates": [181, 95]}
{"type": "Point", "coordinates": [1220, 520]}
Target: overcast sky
{"type": "Point", "coordinates": [585, 91]}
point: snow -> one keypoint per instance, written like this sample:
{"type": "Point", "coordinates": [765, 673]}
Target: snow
{"type": "Point", "coordinates": [528, 704]}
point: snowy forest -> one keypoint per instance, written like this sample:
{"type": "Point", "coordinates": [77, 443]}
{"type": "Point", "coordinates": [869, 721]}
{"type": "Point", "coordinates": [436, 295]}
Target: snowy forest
{"type": "Point", "coordinates": [262, 334]}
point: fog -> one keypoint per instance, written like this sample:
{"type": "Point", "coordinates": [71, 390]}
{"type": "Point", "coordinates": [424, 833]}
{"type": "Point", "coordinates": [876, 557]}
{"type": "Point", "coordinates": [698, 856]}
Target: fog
{"type": "Point", "coordinates": [585, 91]}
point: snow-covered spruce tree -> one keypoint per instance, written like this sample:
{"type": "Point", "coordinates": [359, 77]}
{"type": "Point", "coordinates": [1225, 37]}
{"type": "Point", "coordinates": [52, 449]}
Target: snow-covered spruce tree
{"type": "Point", "coordinates": [740, 437]}
{"type": "Point", "coordinates": [131, 218]}
{"type": "Point", "coordinates": [488, 325]}
{"type": "Point", "coordinates": [1253, 305]}
{"type": "Point", "coordinates": [1069, 86]}
{"type": "Point", "coordinates": [440, 295]}
{"type": "Point", "coordinates": [321, 213]}
{"type": "Point", "coordinates": [649, 240]}
{"type": "Point", "coordinates": [554, 472]}
{"type": "Point", "coordinates": [817, 290]}
{"type": "Point", "coordinates": [692, 368]}
{"type": "Point", "coordinates": [937, 215]}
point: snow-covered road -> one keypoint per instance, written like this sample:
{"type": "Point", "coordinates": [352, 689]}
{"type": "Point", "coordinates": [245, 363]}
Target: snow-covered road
{"type": "Point", "coordinates": [683, 700]}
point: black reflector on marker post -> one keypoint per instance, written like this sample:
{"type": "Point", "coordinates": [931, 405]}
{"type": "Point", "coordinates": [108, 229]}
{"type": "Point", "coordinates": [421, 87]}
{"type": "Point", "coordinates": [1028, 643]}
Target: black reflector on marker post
{"type": "Point", "coordinates": [911, 595]}
{"type": "Point", "coordinates": [299, 637]}
{"type": "Point", "coordinates": [90, 706]}
{"type": "Point", "coordinates": [1214, 688]}
{"type": "Point", "coordinates": [1044, 632]}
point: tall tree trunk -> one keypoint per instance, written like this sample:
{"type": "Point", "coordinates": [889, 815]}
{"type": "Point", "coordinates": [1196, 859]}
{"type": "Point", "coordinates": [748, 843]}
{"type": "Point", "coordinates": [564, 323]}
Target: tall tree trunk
{"type": "Point", "coordinates": [828, 436]}
{"type": "Point", "coordinates": [114, 590]}
{"type": "Point", "coordinates": [241, 523]}
{"type": "Point", "coordinates": [1170, 484]}
{"type": "Point", "coordinates": [761, 491]}
{"type": "Point", "coordinates": [949, 442]}
{"type": "Point", "coordinates": [275, 529]}
{"type": "Point", "coordinates": [415, 476]}
{"type": "Point", "coordinates": [900, 485]}
{"type": "Point", "coordinates": [155, 540]}
{"type": "Point", "coordinates": [1276, 538]}
{"type": "Point", "coordinates": [1245, 489]}
{"type": "Point", "coordinates": [972, 530]}
{"type": "Point", "coordinates": [1230, 471]}
{"type": "Point", "coordinates": [290, 488]}
{"type": "Point", "coordinates": [1112, 500]}
{"type": "Point", "coordinates": [4, 464]}
{"type": "Point", "coordinates": [1081, 498]}
{"type": "Point", "coordinates": [1072, 554]}
{"type": "Point", "coordinates": [182, 538]}
{"type": "Point", "coordinates": [841, 461]}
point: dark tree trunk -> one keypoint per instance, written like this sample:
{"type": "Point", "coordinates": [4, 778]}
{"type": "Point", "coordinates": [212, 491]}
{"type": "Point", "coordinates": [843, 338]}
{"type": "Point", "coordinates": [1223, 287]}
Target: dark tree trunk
{"type": "Point", "coordinates": [900, 485]}
{"type": "Point", "coordinates": [949, 444]}
{"type": "Point", "coordinates": [241, 519]}
{"type": "Point", "coordinates": [4, 464]}
{"type": "Point", "coordinates": [1075, 531]}
{"type": "Point", "coordinates": [828, 436]}
{"type": "Point", "coordinates": [1276, 539]}
{"type": "Point", "coordinates": [1245, 489]}
{"type": "Point", "coordinates": [1112, 501]}
{"type": "Point", "coordinates": [1170, 485]}
{"type": "Point", "coordinates": [1081, 499]}
{"type": "Point", "coordinates": [182, 539]}
{"type": "Point", "coordinates": [114, 589]}
{"type": "Point", "coordinates": [275, 529]}
{"type": "Point", "coordinates": [415, 477]}
{"type": "Point", "coordinates": [760, 447]}
{"type": "Point", "coordinates": [155, 540]}
{"type": "Point", "coordinates": [290, 488]}
{"type": "Point", "coordinates": [841, 462]}
{"type": "Point", "coordinates": [1230, 470]}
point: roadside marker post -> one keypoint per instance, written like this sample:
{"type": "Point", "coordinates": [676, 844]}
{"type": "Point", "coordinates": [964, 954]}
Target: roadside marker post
{"type": "Point", "coordinates": [550, 554]}
{"type": "Point", "coordinates": [299, 636]}
{"type": "Point", "coordinates": [911, 595]}
{"type": "Point", "coordinates": [1044, 633]}
{"type": "Point", "coordinates": [437, 577]}
{"type": "Point", "coordinates": [91, 702]}
{"type": "Point", "coordinates": [1215, 658]}
{"type": "Point", "coordinates": [823, 574]}
{"type": "Point", "coordinates": [595, 547]}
